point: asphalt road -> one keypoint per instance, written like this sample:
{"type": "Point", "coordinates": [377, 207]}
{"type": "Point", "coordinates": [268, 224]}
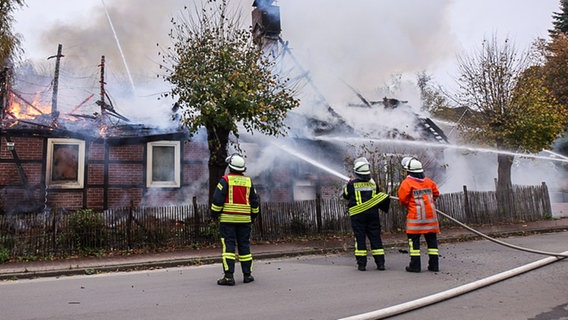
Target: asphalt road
{"type": "Point", "coordinates": [308, 287]}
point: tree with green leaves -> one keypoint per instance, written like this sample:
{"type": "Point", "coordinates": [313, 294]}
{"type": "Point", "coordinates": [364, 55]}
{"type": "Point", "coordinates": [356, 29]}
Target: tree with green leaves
{"type": "Point", "coordinates": [9, 41]}
{"type": "Point", "coordinates": [560, 20]}
{"type": "Point", "coordinates": [555, 66]}
{"type": "Point", "coordinates": [9, 44]}
{"type": "Point", "coordinates": [511, 109]}
{"type": "Point", "coordinates": [221, 81]}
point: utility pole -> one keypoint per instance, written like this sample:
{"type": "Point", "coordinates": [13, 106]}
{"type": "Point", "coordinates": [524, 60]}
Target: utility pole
{"type": "Point", "coordinates": [102, 83]}
{"type": "Point", "coordinates": [4, 91]}
{"type": "Point", "coordinates": [54, 112]}
{"type": "Point", "coordinates": [107, 109]}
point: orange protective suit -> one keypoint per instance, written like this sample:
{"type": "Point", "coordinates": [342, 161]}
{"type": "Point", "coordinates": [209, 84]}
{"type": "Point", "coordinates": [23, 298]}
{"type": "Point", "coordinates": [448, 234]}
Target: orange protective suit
{"type": "Point", "coordinates": [418, 196]}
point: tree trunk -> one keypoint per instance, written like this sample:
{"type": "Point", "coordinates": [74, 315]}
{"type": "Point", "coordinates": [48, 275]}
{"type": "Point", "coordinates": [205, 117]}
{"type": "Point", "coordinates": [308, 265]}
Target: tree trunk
{"type": "Point", "coordinates": [505, 162]}
{"type": "Point", "coordinates": [217, 140]}
{"type": "Point", "coordinates": [504, 192]}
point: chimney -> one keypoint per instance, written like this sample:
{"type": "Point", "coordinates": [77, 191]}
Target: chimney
{"type": "Point", "coordinates": [265, 24]}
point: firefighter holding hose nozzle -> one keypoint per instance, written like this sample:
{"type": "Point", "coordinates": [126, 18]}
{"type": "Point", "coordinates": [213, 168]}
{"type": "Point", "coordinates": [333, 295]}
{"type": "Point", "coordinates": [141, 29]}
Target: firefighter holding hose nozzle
{"type": "Point", "coordinates": [417, 193]}
{"type": "Point", "coordinates": [364, 202]}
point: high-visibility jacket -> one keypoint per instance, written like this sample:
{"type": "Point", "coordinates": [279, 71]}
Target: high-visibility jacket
{"type": "Point", "coordinates": [364, 196]}
{"type": "Point", "coordinates": [418, 196]}
{"type": "Point", "coordinates": [235, 199]}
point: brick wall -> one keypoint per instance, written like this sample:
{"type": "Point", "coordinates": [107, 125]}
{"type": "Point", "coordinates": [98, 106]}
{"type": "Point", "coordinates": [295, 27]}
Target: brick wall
{"type": "Point", "coordinates": [156, 197]}
{"type": "Point", "coordinates": [26, 148]}
{"type": "Point", "coordinates": [195, 151]}
{"type": "Point", "coordinates": [9, 174]}
{"type": "Point", "coordinates": [96, 151]}
{"type": "Point", "coordinates": [71, 200]}
{"type": "Point", "coordinates": [194, 172]}
{"type": "Point", "coordinates": [126, 174]}
{"type": "Point", "coordinates": [121, 197]}
{"type": "Point", "coordinates": [95, 173]}
{"type": "Point", "coordinates": [131, 152]}
{"type": "Point", "coordinates": [126, 177]}
{"type": "Point", "coordinates": [95, 198]}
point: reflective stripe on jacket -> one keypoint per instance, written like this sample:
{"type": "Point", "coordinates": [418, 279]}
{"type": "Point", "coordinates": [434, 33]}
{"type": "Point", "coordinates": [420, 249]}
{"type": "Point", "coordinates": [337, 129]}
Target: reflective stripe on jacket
{"type": "Point", "coordinates": [364, 196]}
{"type": "Point", "coordinates": [239, 201]}
{"type": "Point", "coordinates": [418, 196]}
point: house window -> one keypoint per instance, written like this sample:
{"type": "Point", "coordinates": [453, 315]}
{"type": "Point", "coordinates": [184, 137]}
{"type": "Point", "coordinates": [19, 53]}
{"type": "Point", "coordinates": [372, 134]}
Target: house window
{"type": "Point", "coordinates": [304, 190]}
{"type": "Point", "coordinates": [163, 169]}
{"type": "Point", "coordinates": [65, 163]}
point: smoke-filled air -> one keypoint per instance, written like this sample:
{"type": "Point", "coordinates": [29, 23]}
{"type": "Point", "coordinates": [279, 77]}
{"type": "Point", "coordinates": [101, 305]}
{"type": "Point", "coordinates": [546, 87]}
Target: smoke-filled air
{"type": "Point", "coordinates": [355, 53]}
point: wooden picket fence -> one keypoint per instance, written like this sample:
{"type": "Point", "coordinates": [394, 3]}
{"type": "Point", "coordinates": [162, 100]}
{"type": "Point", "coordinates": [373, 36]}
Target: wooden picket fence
{"type": "Point", "coordinates": [60, 233]}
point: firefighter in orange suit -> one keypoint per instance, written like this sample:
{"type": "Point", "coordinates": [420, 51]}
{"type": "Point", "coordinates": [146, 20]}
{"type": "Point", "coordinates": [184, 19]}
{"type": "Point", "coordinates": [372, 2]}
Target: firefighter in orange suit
{"type": "Point", "coordinates": [236, 205]}
{"type": "Point", "coordinates": [364, 202]}
{"type": "Point", "coordinates": [417, 193]}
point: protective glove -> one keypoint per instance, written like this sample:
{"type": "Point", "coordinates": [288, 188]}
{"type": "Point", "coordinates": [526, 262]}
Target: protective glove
{"type": "Point", "coordinates": [215, 215]}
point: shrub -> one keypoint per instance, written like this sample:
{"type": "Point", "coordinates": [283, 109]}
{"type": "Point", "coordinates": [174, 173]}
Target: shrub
{"type": "Point", "coordinates": [4, 255]}
{"type": "Point", "coordinates": [86, 230]}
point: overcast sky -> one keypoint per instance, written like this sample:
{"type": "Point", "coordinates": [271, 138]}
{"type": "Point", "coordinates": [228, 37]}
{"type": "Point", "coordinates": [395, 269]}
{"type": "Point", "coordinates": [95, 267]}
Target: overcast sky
{"type": "Point", "coordinates": [360, 42]}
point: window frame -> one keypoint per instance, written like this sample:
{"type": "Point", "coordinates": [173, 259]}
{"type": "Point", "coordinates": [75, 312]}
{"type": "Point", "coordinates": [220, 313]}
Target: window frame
{"type": "Point", "coordinates": [176, 183]}
{"type": "Point", "coordinates": [79, 183]}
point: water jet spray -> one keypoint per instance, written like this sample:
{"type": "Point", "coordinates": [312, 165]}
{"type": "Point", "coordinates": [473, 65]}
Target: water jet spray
{"type": "Point", "coordinates": [311, 161]}
{"type": "Point", "coordinates": [344, 177]}
{"type": "Point", "coordinates": [119, 48]}
{"type": "Point", "coordinates": [558, 158]}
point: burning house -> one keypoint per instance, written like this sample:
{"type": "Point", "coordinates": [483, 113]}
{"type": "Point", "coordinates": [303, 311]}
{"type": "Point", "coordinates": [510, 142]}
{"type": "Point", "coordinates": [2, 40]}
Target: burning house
{"type": "Point", "coordinates": [322, 140]}
{"type": "Point", "coordinates": [52, 159]}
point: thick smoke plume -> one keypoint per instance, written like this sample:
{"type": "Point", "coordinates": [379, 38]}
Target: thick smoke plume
{"type": "Point", "coordinates": [344, 45]}
{"type": "Point", "coordinates": [362, 43]}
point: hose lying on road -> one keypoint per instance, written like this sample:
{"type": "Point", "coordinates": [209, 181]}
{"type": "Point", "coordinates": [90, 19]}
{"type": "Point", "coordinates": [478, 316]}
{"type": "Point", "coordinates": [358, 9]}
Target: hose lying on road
{"type": "Point", "coordinates": [451, 293]}
{"type": "Point", "coordinates": [554, 254]}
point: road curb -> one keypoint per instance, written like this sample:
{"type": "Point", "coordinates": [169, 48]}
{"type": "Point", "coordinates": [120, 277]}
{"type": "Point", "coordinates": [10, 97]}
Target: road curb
{"type": "Point", "coordinates": [192, 261]}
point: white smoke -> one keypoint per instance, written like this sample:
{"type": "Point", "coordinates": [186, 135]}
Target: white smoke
{"type": "Point", "coordinates": [340, 43]}
{"type": "Point", "coordinates": [336, 40]}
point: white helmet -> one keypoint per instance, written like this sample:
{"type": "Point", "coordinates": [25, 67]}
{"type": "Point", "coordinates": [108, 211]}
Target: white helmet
{"type": "Point", "coordinates": [412, 164]}
{"type": "Point", "coordinates": [236, 163]}
{"type": "Point", "coordinates": [361, 166]}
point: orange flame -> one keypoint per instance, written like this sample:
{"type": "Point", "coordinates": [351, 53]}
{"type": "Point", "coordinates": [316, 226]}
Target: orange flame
{"type": "Point", "coordinates": [22, 109]}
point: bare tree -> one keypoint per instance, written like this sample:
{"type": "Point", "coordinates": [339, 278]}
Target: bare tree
{"type": "Point", "coordinates": [510, 107]}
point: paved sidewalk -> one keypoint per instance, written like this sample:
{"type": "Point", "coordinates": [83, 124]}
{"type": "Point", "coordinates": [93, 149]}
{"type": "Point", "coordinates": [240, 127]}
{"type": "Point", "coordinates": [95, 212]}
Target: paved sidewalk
{"type": "Point", "coordinates": [93, 265]}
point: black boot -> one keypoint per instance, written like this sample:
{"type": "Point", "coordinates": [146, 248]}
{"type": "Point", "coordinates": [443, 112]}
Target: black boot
{"type": "Point", "coordinates": [227, 280]}
{"type": "Point", "coordinates": [380, 261]}
{"type": "Point", "coordinates": [248, 278]}
{"type": "Point", "coordinates": [361, 263]}
{"type": "Point", "coordinates": [414, 265]}
{"type": "Point", "coordinates": [433, 263]}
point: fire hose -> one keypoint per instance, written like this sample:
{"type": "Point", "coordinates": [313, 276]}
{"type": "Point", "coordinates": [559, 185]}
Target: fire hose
{"type": "Point", "coordinates": [451, 293]}
{"type": "Point", "coordinates": [512, 246]}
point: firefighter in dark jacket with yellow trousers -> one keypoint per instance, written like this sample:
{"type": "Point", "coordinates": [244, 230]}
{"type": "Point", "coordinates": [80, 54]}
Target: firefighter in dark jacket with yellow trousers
{"type": "Point", "coordinates": [236, 205]}
{"type": "Point", "coordinates": [364, 202]}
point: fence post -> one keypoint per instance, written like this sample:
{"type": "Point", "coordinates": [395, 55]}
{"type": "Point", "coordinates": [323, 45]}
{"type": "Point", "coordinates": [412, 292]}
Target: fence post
{"type": "Point", "coordinates": [318, 212]}
{"type": "Point", "coordinates": [129, 225]}
{"type": "Point", "coordinates": [467, 209]}
{"type": "Point", "coordinates": [547, 206]}
{"type": "Point", "coordinates": [196, 220]}
{"type": "Point", "coordinates": [54, 227]}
